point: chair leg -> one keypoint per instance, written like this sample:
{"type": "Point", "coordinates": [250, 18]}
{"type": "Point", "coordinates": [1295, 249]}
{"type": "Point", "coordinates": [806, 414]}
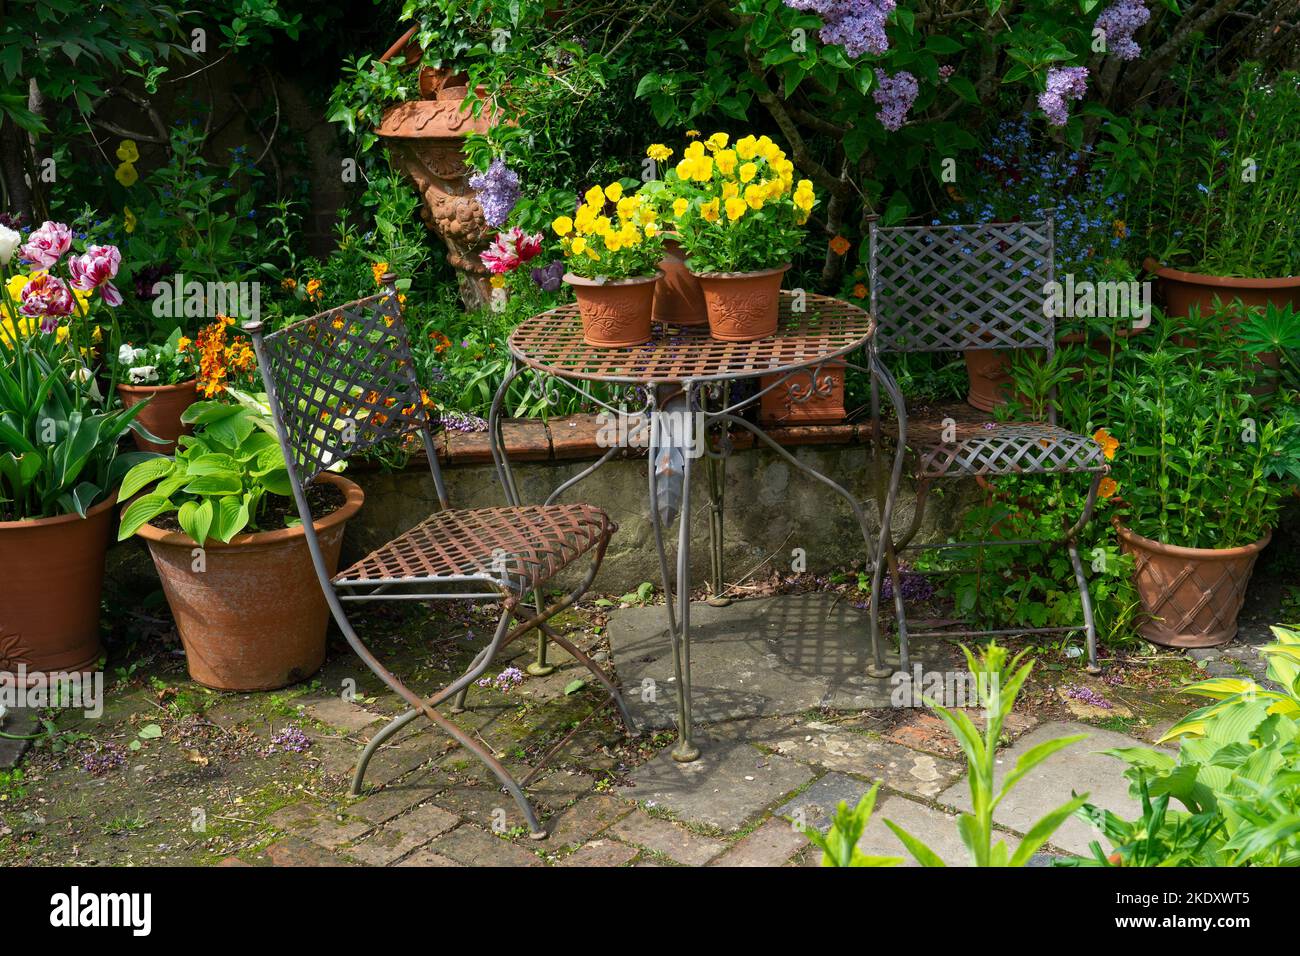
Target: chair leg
{"type": "Point", "coordinates": [540, 667]}
{"type": "Point", "coordinates": [599, 674]}
{"type": "Point", "coordinates": [1085, 599]}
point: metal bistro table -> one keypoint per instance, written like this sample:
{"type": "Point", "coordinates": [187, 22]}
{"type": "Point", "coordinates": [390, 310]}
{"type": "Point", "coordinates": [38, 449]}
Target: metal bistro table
{"type": "Point", "coordinates": [678, 385]}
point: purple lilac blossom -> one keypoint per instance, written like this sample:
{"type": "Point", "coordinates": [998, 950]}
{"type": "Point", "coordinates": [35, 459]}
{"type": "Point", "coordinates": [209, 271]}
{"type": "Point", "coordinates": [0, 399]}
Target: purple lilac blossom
{"type": "Point", "coordinates": [1119, 22]}
{"type": "Point", "coordinates": [857, 25]}
{"type": "Point", "coordinates": [508, 678]}
{"type": "Point", "coordinates": [497, 190]}
{"type": "Point", "coordinates": [1089, 696]}
{"type": "Point", "coordinates": [1064, 83]}
{"type": "Point", "coordinates": [110, 758]}
{"type": "Point", "coordinates": [895, 96]}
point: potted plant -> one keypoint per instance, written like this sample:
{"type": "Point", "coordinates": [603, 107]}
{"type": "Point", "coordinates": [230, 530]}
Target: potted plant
{"type": "Point", "coordinates": [1196, 469]}
{"type": "Point", "coordinates": [740, 218]}
{"type": "Point", "coordinates": [59, 452]}
{"type": "Point", "coordinates": [1227, 176]}
{"type": "Point", "coordinates": [223, 531]}
{"type": "Point", "coordinates": [612, 245]}
{"type": "Point", "coordinates": [161, 377]}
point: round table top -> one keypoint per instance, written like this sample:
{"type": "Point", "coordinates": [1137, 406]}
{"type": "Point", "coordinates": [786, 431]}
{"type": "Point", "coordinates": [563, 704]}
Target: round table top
{"type": "Point", "coordinates": [825, 328]}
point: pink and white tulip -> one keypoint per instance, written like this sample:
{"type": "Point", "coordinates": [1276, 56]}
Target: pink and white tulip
{"type": "Point", "coordinates": [49, 297]}
{"type": "Point", "coordinates": [95, 269]}
{"type": "Point", "coordinates": [46, 245]}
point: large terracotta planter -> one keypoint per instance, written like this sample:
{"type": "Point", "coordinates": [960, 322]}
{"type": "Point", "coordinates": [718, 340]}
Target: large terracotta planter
{"type": "Point", "coordinates": [782, 405]}
{"type": "Point", "coordinates": [989, 373]}
{"type": "Point", "coordinates": [254, 618]}
{"type": "Point", "coordinates": [51, 572]}
{"type": "Point", "coordinates": [742, 306]}
{"type": "Point", "coordinates": [679, 300]}
{"type": "Point", "coordinates": [162, 416]}
{"type": "Point", "coordinates": [1182, 290]}
{"type": "Point", "coordinates": [615, 313]}
{"type": "Point", "coordinates": [1190, 597]}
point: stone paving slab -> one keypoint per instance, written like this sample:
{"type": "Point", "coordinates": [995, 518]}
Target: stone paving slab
{"type": "Point", "coordinates": [934, 828]}
{"type": "Point", "coordinates": [779, 655]}
{"type": "Point", "coordinates": [828, 746]}
{"type": "Point", "coordinates": [1079, 767]}
{"type": "Point", "coordinates": [669, 839]}
{"type": "Point", "coordinates": [772, 844]}
{"type": "Point", "coordinates": [730, 784]}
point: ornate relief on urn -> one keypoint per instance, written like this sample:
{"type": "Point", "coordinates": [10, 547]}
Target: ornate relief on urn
{"type": "Point", "coordinates": [425, 139]}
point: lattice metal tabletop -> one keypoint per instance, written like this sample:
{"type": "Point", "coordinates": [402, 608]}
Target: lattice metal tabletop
{"type": "Point", "coordinates": [826, 328]}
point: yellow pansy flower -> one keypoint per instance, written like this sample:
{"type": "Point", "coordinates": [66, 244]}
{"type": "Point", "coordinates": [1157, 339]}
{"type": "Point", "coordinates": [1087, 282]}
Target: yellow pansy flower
{"type": "Point", "coordinates": [562, 225]}
{"type": "Point", "coordinates": [126, 175]}
{"type": "Point", "coordinates": [595, 197]}
{"type": "Point", "coordinates": [735, 208]}
{"type": "Point", "coordinates": [703, 170]}
{"type": "Point", "coordinates": [747, 147]}
{"type": "Point", "coordinates": [128, 219]}
{"type": "Point", "coordinates": [614, 192]}
{"type": "Point", "coordinates": [127, 151]}
{"type": "Point", "coordinates": [726, 160]}
{"type": "Point", "coordinates": [680, 206]}
{"type": "Point", "coordinates": [748, 171]}
{"type": "Point", "coordinates": [755, 196]}
{"type": "Point", "coordinates": [717, 141]}
{"type": "Point", "coordinates": [709, 211]}
{"type": "Point", "coordinates": [730, 191]}
{"type": "Point", "coordinates": [579, 244]}
{"type": "Point", "coordinates": [651, 230]}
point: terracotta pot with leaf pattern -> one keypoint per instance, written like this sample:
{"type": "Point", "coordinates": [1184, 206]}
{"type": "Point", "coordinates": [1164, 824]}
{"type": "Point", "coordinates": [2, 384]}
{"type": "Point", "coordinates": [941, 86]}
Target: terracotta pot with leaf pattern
{"type": "Point", "coordinates": [742, 306]}
{"type": "Point", "coordinates": [616, 313]}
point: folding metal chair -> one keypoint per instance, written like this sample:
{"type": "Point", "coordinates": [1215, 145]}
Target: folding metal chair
{"type": "Point", "coordinates": [343, 381]}
{"type": "Point", "coordinates": [951, 288]}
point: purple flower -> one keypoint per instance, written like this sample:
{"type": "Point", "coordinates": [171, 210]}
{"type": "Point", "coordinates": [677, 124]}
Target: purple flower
{"type": "Point", "coordinates": [147, 278]}
{"type": "Point", "coordinates": [857, 25]}
{"type": "Point", "coordinates": [1064, 83]}
{"type": "Point", "coordinates": [549, 277]}
{"type": "Point", "coordinates": [508, 678]}
{"type": "Point", "coordinates": [461, 421]}
{"type": "Point", "coordinates": [288, 740]}
{"type": "Point", "coordinates": [1089, 696]}
{"type": "Point", "coordinates": [916, 588]}
{"type": "Point", "coordinates": [895, 96]}
{"type": "Point", "coordinates": [497, 191]}
{"type": "Point", "coordinates": [98, 764]}
{"type": "Point", "coordinates": [1119, 22]}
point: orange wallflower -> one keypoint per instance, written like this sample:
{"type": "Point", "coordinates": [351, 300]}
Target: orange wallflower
{"type": "Point", "coordinates": [859, 291]}
{"type": "Point", "coordinates": [839, 245]}
{"type": "Point", "coordinates": [378, 269]}
{"type": "Point", "coordinates": [1109, 444]}
{"type": "Point", "coordinates": [314, 290]}
{"type": "Point", "coordinates": [1107, 488]}
{"type": "Point", "coordinates": [220, 360]}
{"type": "Point", "coordinates": [289, 283]}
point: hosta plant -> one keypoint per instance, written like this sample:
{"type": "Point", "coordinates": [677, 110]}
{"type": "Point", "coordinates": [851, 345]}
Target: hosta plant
{"type": "Point", "coordinates": [1236, 774]}
{"type": "Point", "coordinates": [219, 481]}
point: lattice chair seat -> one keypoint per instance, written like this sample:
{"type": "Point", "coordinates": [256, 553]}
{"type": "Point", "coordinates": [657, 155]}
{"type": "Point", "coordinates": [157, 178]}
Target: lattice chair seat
{"type": "Point", "coordinates": [954, 440]}
{"type": "Point", "coordinates": [521, 548]}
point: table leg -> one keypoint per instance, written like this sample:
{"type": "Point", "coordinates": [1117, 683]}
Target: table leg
{"type": "Point", "coordinates": [677, 587]}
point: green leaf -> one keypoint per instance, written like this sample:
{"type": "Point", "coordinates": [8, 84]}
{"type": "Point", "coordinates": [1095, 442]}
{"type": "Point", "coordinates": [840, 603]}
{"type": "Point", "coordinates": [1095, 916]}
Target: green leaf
{"type": "Point", "coordinates": [143, 474]}
{"type": "Point", "coordinates": [920, 852]}
{"type": "Point", "coordinates": [573, 686]}
{"type": "Point", "coordinates": [215, 484]}
{"type": "Point", "coordinates": [140, 512]}
{"type": "Point", "coordinates": [150, 732]}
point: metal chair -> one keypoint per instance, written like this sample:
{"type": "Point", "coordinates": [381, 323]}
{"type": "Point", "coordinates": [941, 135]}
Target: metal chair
{"type": "Point", "coordinates": [343, 381]}
{"type": "Point", "coordinates": [951, 288]}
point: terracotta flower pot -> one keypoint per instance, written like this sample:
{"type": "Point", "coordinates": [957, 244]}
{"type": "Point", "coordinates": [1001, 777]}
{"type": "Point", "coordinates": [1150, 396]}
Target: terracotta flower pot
{"type": "Point", "coordinates": [679, 300]}
{"type": "Point", "coordinates": [51, 571]}
{"type": "Point", "coordinates": [1183, 290]}
{"type": "Point", "coordinates": [1190, 596]}
{"type": "Point", "coordinates": [616, 312]}
{"type": "Point", "coordinates": [254, 618]}
{"type": "Point", "coordinates": [742, 306]}
{"type": "Point", "coordinates": [162, 416]}
{"type": "Point", "coordinates": [780, 407]}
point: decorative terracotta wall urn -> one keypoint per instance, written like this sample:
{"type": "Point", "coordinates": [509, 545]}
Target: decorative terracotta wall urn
{"type": "Point", "coordinates": [798, 401]}
{"type": "Point", "coordinates": [425, 138]}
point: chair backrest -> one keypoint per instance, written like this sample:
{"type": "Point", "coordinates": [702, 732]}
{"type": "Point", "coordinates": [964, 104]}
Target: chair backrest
{"type": "Point", "coordinates": [951, 288]}
{"type": "Point", "coordinates": [342, 382]}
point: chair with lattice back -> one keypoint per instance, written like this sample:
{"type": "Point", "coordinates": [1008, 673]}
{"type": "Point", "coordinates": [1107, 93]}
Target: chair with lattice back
{"type": "Point", "coordinates": [342, 382]}
{"type": "Point", "coordinates": [955, 288]}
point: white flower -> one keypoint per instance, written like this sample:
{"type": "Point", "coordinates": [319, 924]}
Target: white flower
{"type": "Point", "coordinates": [125, 354]}
{"type": "Point", "coordinates": [144, 375]}
{"type": "Point", "coordinates": [86, 377]}
{"type": "Point", "coordinates": [9, 239]}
